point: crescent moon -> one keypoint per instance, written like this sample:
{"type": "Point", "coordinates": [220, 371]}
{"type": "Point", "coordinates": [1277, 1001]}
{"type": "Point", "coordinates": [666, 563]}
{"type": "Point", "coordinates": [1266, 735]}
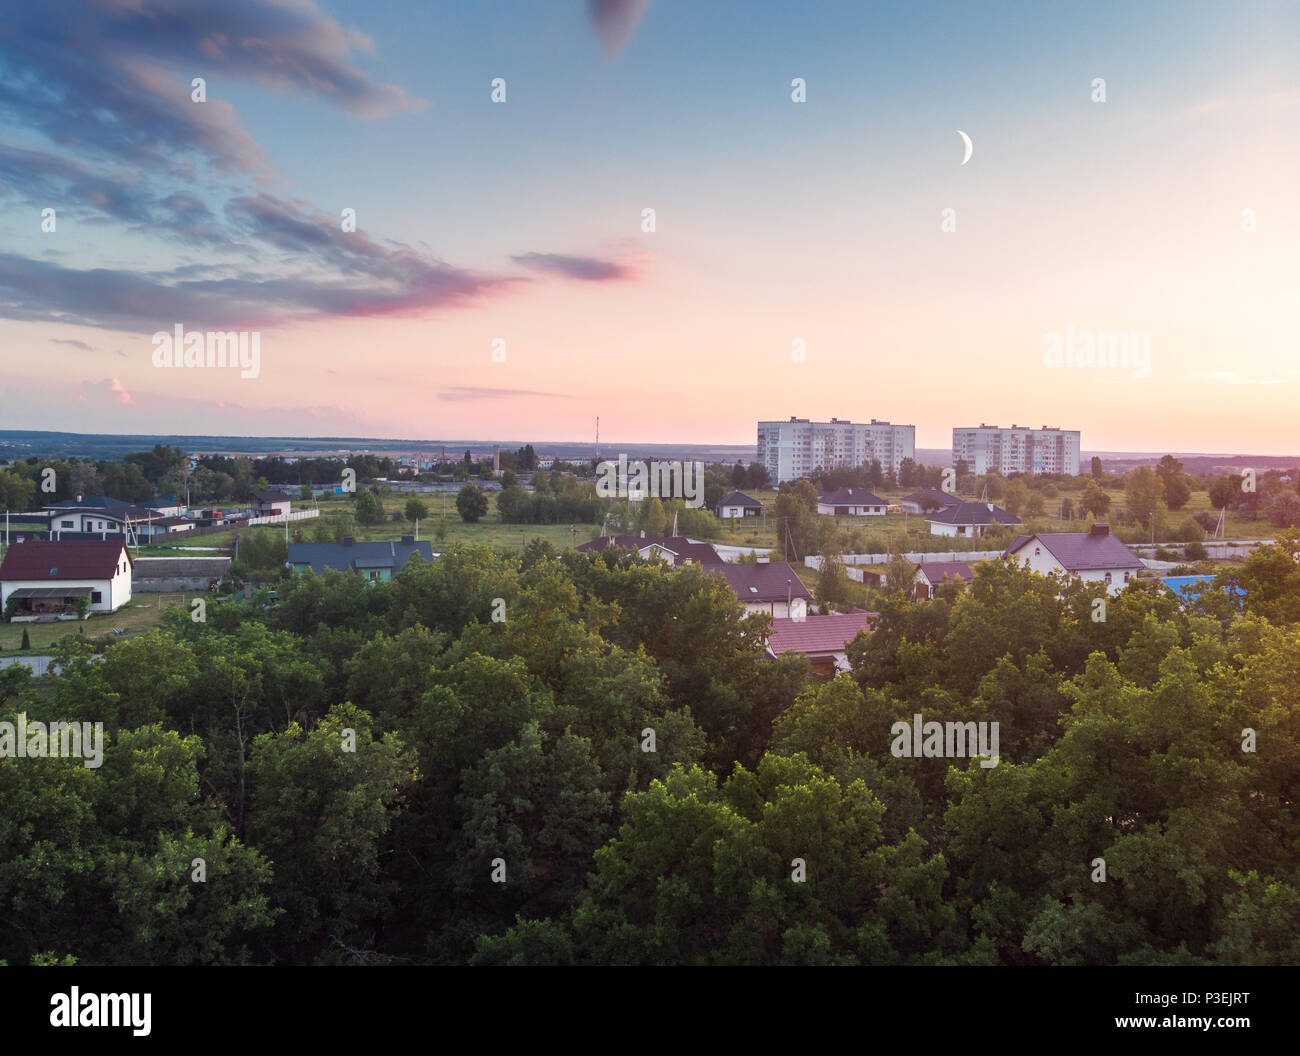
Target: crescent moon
{"type": "Point", "coordinates": [970, 147]}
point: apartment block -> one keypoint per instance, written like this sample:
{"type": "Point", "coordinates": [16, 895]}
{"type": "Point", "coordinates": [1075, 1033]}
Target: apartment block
{"type": "Point", "coordinates": [1017, 450]}
{"type": "Point", "coordinates": [799, 447]}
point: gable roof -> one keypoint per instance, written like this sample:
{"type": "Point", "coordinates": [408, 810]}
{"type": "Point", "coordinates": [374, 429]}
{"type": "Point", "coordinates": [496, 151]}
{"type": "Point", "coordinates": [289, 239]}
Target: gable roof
{"type": "Point", "coordinates": [818, 635]}
{"type": "Point", "coordinates": [103, 506]}
{"type": "Point", "coordinates": [850, 497]}
{"type": "Point", "coordinates": [937, 572]}
{"type": "Point", "coordinates": [776, 581]}
{"type": "Point", "coordinates": [737, 498]}
{"type": "Point", "coordinates": [1082, 551]}
{"type": "Point", "coordinates": [68, 558]}
{"type": "Point", "coordinates": [345, 558]}
{"type": "Point", "coordinates": [968, 513]}
{"type": "Point", "coordinates": [678, 545]}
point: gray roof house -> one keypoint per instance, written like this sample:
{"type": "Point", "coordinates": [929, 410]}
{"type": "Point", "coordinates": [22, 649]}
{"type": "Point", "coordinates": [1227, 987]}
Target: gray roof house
{"type": "Point", "coordinates": [968, 519]}
{"type": "Point", "coordinates": [375, 561]}
{"type": "Point", "coordinates": [1094, 556]}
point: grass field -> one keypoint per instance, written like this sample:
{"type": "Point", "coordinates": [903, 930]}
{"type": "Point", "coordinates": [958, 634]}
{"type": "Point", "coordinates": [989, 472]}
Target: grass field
{"type": "Point", "coordinates": [140, 614]}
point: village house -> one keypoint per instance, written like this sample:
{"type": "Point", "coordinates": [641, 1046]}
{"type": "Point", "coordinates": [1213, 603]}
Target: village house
{"type": "Point", "coordinates": [932, 574]}
{"type": "Point", "coordinates": [738, 505]}
{"type": "Point", "coordinates": [822, 639]}
{"type": "Point", "coordinates": [928, 499]}
{"type": "Point", "coordinates": [770, 587]}
{"type": "Point", "coordinates": [1094, 556]}
{"type": "Point", "coordinates": [676, 550]}
{"type": "Point", "coordinates": [43, 581]}
{"type": "Point", "coordinates": [270, 503]}
{"type": "Point", "coordinates": [969, 520]}
{"type": "Point", "coordinates": [376, 562]}
{"type": "Point", "coordinates": [851, 502]}
{"type": "Point", "coordinates": [96, 517]}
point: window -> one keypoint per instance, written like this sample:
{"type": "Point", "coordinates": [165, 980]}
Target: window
{"type": "Point", "coordinates": [1038, 550]}
{"type": "Point", "coordinates": [1108, 577]}
{"type": "Point", "coordinates": [1125, 577]}
{"type": "Point", "coordinates": [68, 524]}
{"type": "Point", "coordinates": [96, 597]}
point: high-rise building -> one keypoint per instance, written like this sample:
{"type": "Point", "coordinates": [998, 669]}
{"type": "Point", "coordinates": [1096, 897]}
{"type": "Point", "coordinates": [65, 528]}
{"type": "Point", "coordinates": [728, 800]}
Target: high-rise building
{"type": "Point", "coordinates": [1017, 450]}
{"type": "Point", "coordinates": [799, 447]}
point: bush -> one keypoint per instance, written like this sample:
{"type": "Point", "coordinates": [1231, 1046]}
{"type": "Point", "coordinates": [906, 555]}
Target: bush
{"type": "Point", "coordinates": [27, 640]}
{"type": "Point", "coordinates": [1195, 552]}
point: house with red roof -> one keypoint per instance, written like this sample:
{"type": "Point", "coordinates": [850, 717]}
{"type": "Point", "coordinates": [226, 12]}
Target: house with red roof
{"type": "Point", "coordinates": [822, 639]}
{"type": "Point", "coordinates": [43, 580]}
{"type": "Point", "coordinates": [933, 574]}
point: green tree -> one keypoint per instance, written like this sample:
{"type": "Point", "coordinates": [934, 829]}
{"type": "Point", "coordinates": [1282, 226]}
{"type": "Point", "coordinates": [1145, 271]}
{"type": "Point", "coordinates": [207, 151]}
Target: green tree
{"type": "Point", "coordinates": [471, 504]}
{"type": "Point", "coordinates": [416, 510]}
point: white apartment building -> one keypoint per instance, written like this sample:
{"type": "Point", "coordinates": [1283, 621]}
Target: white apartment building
{"type": "Point", "coordinates": [1017, 450]}
{"type": "Point", "coordinates": [798, 447]}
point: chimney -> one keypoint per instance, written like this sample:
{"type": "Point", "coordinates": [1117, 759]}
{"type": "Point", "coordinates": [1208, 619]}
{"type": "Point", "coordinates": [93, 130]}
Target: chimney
{"type": "Point", "coordinates": [408, 540]}
{"type": "Point", "coordinates": [347, 540]}
{"type": "Point", "coordinates": [1100, 530]}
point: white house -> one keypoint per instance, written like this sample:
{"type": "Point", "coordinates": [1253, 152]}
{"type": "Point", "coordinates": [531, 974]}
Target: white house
{"type": "Point", "coordinates": [770, 587]}
{"type": "Point", "coordinates": [46, 579]}
{"type": "Point", "coordinates": [1094, 556]}
{"type": "Point", "coordinates": [969, 520]}
{"type": "Point", "coordinates": [851, 502]}
{"type": "Point", "coordinates": [738, 505]}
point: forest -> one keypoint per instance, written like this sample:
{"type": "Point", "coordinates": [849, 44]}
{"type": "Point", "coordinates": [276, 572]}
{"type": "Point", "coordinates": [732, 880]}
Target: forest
{"type": "Point", "coordinates": [546, 757]}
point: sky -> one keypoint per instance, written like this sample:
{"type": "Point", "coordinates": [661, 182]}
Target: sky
{"type": "Point", "coordinates": [1133, 172]}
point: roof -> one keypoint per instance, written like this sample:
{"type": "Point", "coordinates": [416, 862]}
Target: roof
{"type": "Point", "coordinates": [817, 635]}
{"type": "Point", "coordinates": [737, 498]}
{"type": "Point", "coordinates": [1082, 551]}
{"type": "Point", "coordinates": [62, 560]}
{"type": "Point", "coordinates": [939, 571]}
{"type": "Point", "coordinates": [163, 567]}
{"type": "Point", "coordinates": [104, 505]}
{"type": "Point", "coordinates": [942, 497]}
{"type": "Point", "coordinates": [775, 581]}
{"type": "Point", "coordinates": [972, 513]}
{"type": "Point", "coordinates": [69, 591]}
{"type": "Point", "coordinates": [344, 558]}
{"type": "Point", "coordinates": [850, 497]}
{"type": "Point", "coordinates": [679, 545]}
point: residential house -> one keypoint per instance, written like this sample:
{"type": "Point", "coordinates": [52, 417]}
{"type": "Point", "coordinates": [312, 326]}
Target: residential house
{"type": "Point", "coordinates": [928, 499]}
{"type": "Point", "coordinates": [173, 574]}
{"type": "Point", "coordinates": [45, 579]}
{"type": "Point", "coordinates": [932, 574]}
{"type": "Point", "coordinates": [674, 549]}
{"type": "Point", "coordinates": [968, 520]}
{"type": "Point", "coordinates": [770, 587]}
{"type": "Point", "coordinates": [96, 517]}
{"type": "Point", "coordinates": [822, 639]}
{"type": "Point", "coordinates": [851, 502]}
{"type": "Point", "coordinates": [270, 503]}
{"type": "Point", "coordinates": [739, 505]}
{"type": "Point", "coordinates": [377, 562]}
{"type": "Point", "coordinates": [1093, 556]}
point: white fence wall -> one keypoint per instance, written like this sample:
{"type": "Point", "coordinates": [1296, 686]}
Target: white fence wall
{"type": "Point", "coordinates": [815, 561]}
{"type": "Point", "coordinates": [281, 518]}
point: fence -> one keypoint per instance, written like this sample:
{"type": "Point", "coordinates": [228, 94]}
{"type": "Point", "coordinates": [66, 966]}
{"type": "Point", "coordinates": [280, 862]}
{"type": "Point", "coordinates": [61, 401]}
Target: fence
{"type": "Point", "coordinates": [815, 561]}
{"type": "Point", "coordinates": [281, 518]}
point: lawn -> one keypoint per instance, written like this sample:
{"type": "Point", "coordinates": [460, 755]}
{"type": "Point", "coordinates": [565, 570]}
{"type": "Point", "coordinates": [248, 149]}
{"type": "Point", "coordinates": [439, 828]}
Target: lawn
{"type": "Point", "coordinates": [140, 614]}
